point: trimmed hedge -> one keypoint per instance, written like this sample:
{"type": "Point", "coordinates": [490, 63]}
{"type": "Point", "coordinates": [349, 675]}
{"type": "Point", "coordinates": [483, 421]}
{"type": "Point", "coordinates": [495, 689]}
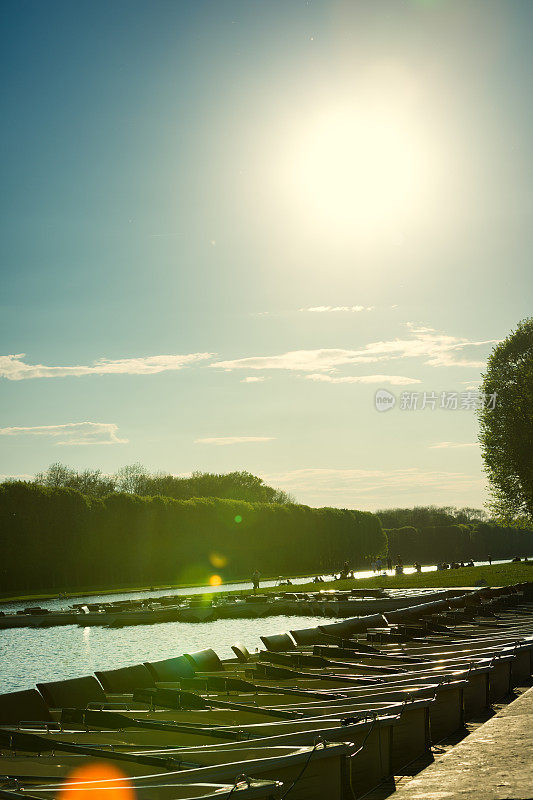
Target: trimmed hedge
{"type": "Point", "coordinates": [458, 543]}
{"type": "Point", "coordinates": [60, 540]}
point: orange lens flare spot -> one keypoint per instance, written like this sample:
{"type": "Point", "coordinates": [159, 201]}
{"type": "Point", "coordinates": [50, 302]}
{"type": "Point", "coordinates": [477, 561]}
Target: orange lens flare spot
{"type": "Point", "coordinates": [96, 781]}
{"type": "Point", "coordinates": [215, 580]}
{"type": "Point", "coordinates": [218, 560]}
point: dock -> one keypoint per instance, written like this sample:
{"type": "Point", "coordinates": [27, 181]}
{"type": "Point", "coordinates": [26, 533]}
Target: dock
{"type": "Point", "coordinates": [492, 763]}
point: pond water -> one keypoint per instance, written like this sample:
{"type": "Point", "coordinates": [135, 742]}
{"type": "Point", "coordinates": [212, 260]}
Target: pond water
{"type": "Point", "coordinates": [227, 587]}
{"type": "Point", "coordinates": [29, 655]}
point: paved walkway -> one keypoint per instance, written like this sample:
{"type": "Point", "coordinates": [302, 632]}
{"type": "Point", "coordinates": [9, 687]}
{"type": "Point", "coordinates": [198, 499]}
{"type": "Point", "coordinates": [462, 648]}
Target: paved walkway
{"type": "Point", "coordinates": [493, 763]}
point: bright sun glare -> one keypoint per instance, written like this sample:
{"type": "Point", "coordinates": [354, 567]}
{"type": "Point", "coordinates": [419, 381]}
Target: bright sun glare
{"type": "Point", "coordinates": [359, 171]}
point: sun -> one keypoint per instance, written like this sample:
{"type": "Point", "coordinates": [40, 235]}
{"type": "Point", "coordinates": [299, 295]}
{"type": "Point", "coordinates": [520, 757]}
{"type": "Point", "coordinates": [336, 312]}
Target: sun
{"type": "Point", "coordinates": [359, 170]}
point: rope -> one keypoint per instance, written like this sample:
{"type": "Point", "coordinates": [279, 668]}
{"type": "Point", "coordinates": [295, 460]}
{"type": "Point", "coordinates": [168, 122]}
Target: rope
{"type": "Point", "coordinates": [293, 784]}
{"type": "Point", "coordinates": [355, 752]}
{"type": "Point", "coordinates": [240, 779]}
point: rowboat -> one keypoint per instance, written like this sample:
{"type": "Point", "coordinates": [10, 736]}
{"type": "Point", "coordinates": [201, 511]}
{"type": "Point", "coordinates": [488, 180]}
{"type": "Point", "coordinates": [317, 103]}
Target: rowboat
{"type": "Point", "coordinates": [319, 708]}
{"type": "Point", "coordinates": [313, 770]}
{"type": "Point", "coordinates": [242, 788]}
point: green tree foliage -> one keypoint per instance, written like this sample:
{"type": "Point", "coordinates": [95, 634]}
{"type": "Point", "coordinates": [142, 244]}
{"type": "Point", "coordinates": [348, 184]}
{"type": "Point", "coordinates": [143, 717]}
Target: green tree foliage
{"type": "Point", "coordinates": [426, 516]}
{"type": "Point", "coordinates": [58, 539]}
{"type": "Point", "coordinates": [136, 479]}
{"type": "Point", "coordinates": [506, 432]}
{"type": "Point", "coordinates": [450, 542]}
{"type": "Point", "coordinates": [232, 486]}
{"type": "Point", "coordinates": [90, 481]}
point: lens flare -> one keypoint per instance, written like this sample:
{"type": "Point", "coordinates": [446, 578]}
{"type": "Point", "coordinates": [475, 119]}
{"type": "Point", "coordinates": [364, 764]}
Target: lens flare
{"type": "Point", "coordinates": [215, 580]}
{"type": "Point", "coordinates": [94, 781]}
{"type": "Point", "coordinates": [218, 560]}
{"type": "Point", "coordinates": [238, 518]}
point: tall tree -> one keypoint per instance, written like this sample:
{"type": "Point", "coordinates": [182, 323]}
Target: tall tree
{"type": "Point", "coordinates": [506, 434]}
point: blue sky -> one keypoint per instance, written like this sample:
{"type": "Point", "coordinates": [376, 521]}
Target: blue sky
{"type": "Point", "coordinates": [226, 225]}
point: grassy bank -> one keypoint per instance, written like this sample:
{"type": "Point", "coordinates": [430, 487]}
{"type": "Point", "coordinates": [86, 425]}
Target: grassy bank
{"type": "Point", "coordinates": [103, 590]}
{"type": "Point", "coordinates": [496, 575]}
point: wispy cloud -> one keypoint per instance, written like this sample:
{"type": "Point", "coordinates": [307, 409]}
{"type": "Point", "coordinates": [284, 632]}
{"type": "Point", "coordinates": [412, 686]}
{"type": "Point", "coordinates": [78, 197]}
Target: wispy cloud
{"type": "Point", "coordinates": [222, 440]}
{"type": "Point", "coordinates": [72, 433]}
{"type": "Point", "coordinates": [336, 309]}
{"type": "Point", "coordinates": [253, 379]}
{"type": "Point", "coordinates": [452, 445]}
{"type": "Point", "coordinates": [436, 349]}
{"type": "Point", "coordinates": [394, 380]}
{"type": "Point", "coordinates": [374, 488]}
{"type": "Point", "coordinates": [14, 368]}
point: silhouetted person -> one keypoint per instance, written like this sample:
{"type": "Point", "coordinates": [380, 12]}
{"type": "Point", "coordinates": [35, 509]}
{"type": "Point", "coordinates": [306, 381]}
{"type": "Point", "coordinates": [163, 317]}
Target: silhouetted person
{"type": "Point", "coordinates": [255, 579]}
{"type": "Point", "coordinates": [490, 560]}
{"type": "Point", "coordinates": [418, 566]}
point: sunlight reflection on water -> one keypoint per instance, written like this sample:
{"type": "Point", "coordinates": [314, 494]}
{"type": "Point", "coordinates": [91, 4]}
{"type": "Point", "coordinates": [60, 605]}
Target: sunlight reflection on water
{"type": "Point", "coordinates": [31, 655]}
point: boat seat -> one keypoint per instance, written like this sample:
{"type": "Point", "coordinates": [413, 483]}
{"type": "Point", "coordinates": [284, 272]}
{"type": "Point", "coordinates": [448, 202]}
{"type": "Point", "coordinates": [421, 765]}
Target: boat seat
{"type": "Point", "coordinates": [353, 625]}
{"type": "Point", "coordinates": [417, 611]}
{"type": "Point", "coordinates": [170, 669]}
{"type": "Point", "coordinates": [205, 661]}
{"type": "Point", "coordinates": [125, 679]}
{"type": "Point", "coordinates": [73, 693]}
{"type": "Point", "coordinates": [241, 651]}
{"type": "Point", "coordinates": [24, 706]}
{"type": "Point", "coordinates": [308, 636]}
{"type": "Point", "coordinates": [278, 642]}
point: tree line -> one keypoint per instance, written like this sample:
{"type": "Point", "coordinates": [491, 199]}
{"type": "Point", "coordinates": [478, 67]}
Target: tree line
{"type": "Point", "coordinates": [429, 534]}
{"type": "Point", "coordinates": [447, 543]}
{"type": "Point", "coordinates": [428, 516]}
{"type": "Point", "coordinates": [58, 539]}
{"type": "Point", "coordinates": [137, 479]}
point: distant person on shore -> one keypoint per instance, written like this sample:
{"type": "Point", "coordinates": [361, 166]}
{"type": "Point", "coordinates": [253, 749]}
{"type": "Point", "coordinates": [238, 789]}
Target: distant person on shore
{"type": "Point", "coordinates": [490, 560]}
{"type": "Point", "coordinates": [256, 575]}
{"type": "Point", "coordinates": [418, 566]}
{"type": "Point", "coordinates": [378, 565]}
{"type": "Point", "coordinates": [373, 566]}
{"type": "Point", "coordinates": [345, 572]}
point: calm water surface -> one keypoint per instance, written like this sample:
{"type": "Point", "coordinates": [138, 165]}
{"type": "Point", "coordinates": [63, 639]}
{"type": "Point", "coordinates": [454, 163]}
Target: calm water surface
{"type": "Point", "coordinates": [28, 656]}
{"type": "Point", "coordinates": [227, 587]}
